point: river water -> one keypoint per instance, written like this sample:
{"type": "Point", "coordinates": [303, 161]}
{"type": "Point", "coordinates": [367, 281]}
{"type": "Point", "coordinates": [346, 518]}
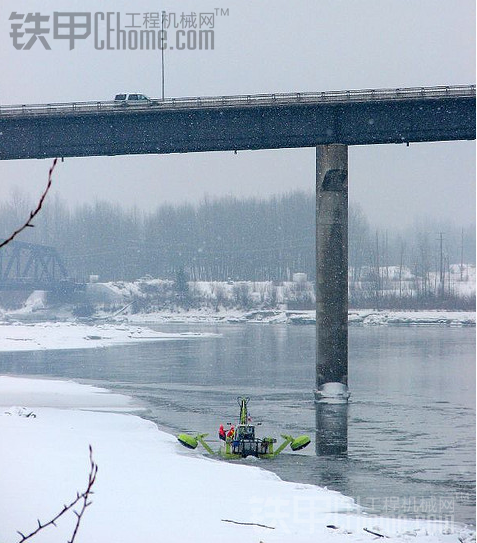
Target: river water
{"type": "Point", "coordinates": [411, 416]}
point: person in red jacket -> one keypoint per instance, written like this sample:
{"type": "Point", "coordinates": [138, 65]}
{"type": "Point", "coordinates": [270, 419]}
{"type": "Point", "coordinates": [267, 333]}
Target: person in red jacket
{"type": "Point", "coordinates": [222, 432]}
{"type": "Point", "coordinates": [230, 433]}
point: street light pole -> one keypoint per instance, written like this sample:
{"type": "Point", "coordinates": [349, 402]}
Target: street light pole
{"type": "Point", "coordinates": [163, 14]}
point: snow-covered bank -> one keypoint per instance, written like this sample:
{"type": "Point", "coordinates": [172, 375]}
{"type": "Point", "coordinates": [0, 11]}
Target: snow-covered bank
{"type": "Point", "coordinates": [68, 335]}
{"type": "Point", "coordinates": [364, 317]}
{"type": "Point", "coordinates": [417, 318]}
{"type": "Point", "coordinates": [154, 302]}
{"type": "Point", "coordinates": [16, 336]}
{"type": "Point", "coordinates": [399, 286]}
{"type": "Point", "coordinates": [150, 489]}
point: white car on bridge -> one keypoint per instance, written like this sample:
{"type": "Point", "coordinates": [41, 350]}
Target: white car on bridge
{"type": "Point", "coordinates": [134, 98]}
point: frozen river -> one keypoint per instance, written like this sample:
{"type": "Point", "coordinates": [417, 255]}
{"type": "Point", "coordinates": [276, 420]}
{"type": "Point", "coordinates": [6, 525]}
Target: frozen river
{"type": "Point", "coordinates": [411, 437]}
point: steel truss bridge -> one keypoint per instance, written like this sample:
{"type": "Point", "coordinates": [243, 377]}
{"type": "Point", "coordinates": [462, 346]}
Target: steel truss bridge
{"type": "Point", "coordinates": [29, 266]}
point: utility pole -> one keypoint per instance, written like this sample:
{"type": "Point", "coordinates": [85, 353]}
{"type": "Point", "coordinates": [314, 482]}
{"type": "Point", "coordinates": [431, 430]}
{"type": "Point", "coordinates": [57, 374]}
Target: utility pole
{"type": "Point", "coordinates": [163, 14]}
{"type": "Point", "coordinates": [378, 273]}
{"type": "Point", "coordinates": [441, 265]}
{"type": "Point", "coordinates": [462, 255]}
{"type": "Point", "coordinates": [401, 262]}
{"type": "Point", "coordinates": [449, 281]}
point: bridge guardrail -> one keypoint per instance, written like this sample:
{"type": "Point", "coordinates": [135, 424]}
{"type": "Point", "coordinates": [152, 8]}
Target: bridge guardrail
{"type": "Point", "coordinates": [241, 100]}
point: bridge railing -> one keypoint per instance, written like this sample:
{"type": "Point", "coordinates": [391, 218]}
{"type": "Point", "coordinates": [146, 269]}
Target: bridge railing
{"type": "Point", "coordinates": [242, 100]}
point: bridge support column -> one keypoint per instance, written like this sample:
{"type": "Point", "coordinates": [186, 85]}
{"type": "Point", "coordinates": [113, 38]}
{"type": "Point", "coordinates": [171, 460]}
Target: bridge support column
{"type": "Point", "coordinates": [331, 296]}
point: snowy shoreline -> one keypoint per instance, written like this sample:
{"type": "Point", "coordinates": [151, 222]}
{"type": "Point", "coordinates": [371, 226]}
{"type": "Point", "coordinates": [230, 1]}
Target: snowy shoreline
{"type": "Point", "coordinates": [134, 303]}
{"type": "Point", "coordinates": [18, 336]}
{"type": "Point", "coordinates": [365, 317]}
{"type": "Point", "coordinates": [44, 335]}
{"type": "Point", "coordinates": [148, 485]}
{"type": "Point", "coordinates": [146, 478]}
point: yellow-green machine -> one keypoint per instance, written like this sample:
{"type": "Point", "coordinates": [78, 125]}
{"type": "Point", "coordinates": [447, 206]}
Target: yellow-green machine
{"type": "Point", "coordinates": [241, 441]}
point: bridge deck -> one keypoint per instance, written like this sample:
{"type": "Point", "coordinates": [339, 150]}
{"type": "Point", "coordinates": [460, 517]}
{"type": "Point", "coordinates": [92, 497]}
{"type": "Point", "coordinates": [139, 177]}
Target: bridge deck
{"type": "Point", "coordinates": [287, 99]}
{"type": "Point", "coordinates": [268, 121]}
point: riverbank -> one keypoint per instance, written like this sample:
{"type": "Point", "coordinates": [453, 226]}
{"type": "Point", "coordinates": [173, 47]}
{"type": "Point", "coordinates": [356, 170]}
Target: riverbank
{"type": "Point", "coordinates": [29, 336]}
{"type": "Point", "coordinates": [149, 488]}
{"type": "Point", "coordinates": [365, 317]}
{"type": "Point", "coordinates": [17, 336]}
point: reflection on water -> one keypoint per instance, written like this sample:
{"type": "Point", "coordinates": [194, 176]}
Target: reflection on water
{"type": "Point", "coordinates": [331, 429]}
{"type": "Point", "coordinates": [411, 415]}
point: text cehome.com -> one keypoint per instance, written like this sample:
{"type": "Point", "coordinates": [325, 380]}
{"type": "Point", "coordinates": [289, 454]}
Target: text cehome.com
{"type": "Point", "coordinates": [115, 31]}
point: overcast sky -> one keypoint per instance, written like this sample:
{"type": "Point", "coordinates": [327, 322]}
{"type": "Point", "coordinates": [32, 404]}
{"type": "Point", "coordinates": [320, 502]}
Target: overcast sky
{"type": "Point", "coordinates": [260, 47]}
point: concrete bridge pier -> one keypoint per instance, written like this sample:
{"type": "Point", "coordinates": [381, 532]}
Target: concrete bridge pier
{"type": "Point", "coordinates": [331, 394]}
{"type": "Point", "coordinates": [331, 438]}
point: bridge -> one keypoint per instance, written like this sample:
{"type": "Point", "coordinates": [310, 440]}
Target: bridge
{"type": "Point", "coordinates": [26, 266]}
{"type": "Point", "coordinates": [221, 123]}
{"type": "Point", "coordinates": [329, 121]}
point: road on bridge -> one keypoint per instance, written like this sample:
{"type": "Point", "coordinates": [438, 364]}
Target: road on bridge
{"type": "Point", "coordinates": [264, 121]}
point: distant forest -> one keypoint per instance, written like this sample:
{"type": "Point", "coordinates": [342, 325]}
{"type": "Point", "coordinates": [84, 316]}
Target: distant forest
{"type": "Point", "coordinates": [226, 239]}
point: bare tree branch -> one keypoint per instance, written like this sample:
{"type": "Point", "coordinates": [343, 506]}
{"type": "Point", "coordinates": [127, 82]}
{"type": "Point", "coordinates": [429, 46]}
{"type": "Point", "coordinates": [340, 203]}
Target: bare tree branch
{"type": "Point", "coordinates": [248, 523]}
{"type": "Point", "coordinates": [374, 533]}
{"type": "Point", "coordinates": [84, 496]}
{"type": "Point", "coordinates": [35, 212]}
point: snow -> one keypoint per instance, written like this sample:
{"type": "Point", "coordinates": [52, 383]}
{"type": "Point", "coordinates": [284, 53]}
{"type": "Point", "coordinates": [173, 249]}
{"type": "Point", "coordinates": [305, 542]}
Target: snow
{"type": "Point", "coordinates": [159, 294]}
{"type": "Point", "coordinates": [149, 300]}
{"type": "Point", "coordinates": [458, 281]}
{"type": "Point", "coordinates": [333, 393]}
{"type": "Point", "coordinates": [151, 489]}
{"type": "Point", "coordinates": [36, 301]}
{"type": "Point", "coordinates": [365, 317]}
{"type": "Point", "coordinates": [416, 318]}
{"type": "Point", "coordinates": [18, 336]}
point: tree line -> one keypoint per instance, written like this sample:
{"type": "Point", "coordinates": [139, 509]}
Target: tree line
{"type": "Point", "coordinates": [429, 265]}
{"type": "Point", "coordinates": [246, 239]}
{"type": "Point", "coordinates": [221, 239]}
